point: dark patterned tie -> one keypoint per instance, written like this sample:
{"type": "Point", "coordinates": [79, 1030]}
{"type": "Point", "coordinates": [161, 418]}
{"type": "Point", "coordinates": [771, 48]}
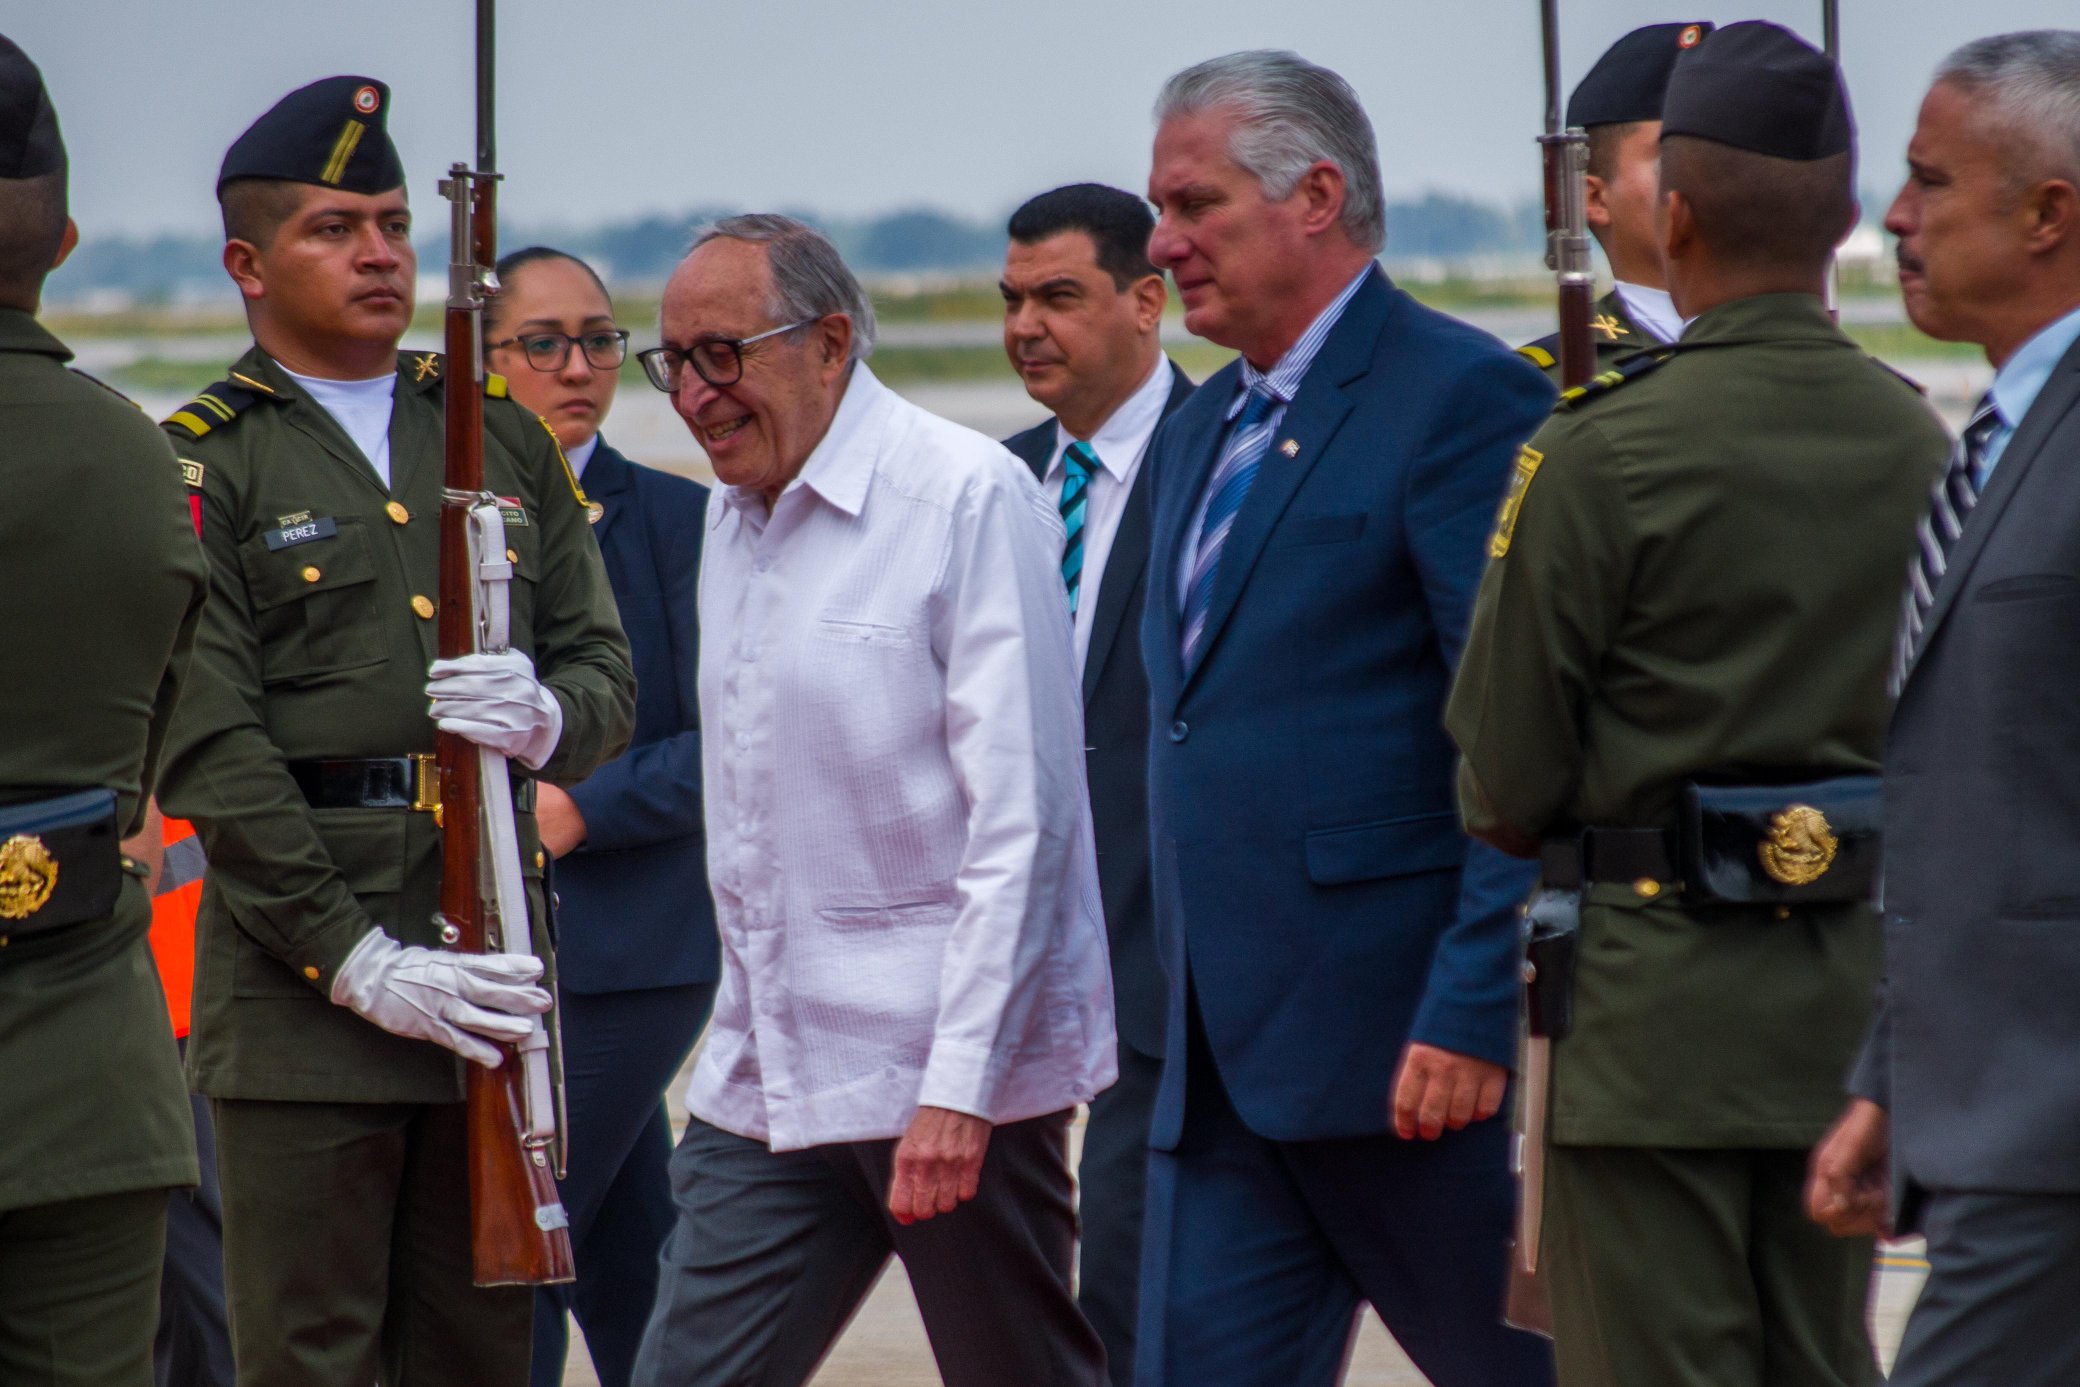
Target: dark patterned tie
{"type": "Point", "coordinates": [1226, 489]}
{"type": "Point", "coordinates": [1949, 504]}
{"type": "Point", "coordinates": [1078, 463]}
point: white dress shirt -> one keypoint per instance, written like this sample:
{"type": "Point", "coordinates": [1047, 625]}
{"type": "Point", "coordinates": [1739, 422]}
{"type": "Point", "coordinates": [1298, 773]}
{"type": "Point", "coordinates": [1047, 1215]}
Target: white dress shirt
{"type": "Point", "coordinates": [362, 409]}
{"type": "Point", "coordinates": [1652, 311]}
{"type": "Point", "coordinates": [898, 835]}
{"type": "Point", "coordinates": [2021, 378]}
{"type": "Point", "coordinates": [1119, 443]}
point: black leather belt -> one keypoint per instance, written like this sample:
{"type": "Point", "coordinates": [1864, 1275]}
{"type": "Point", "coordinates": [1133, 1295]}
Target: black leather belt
{"type": "Point", "coordinates": [1630, 855]}
{"type": "Point", "coordinates": [384, 782]}
{"type": "Point", "coordinates": [60, 863]}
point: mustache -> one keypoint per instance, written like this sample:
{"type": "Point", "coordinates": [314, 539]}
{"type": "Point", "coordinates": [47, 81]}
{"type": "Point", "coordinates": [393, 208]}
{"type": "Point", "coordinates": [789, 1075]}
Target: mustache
{"type": "Point", "coordinates": [1907, 261]}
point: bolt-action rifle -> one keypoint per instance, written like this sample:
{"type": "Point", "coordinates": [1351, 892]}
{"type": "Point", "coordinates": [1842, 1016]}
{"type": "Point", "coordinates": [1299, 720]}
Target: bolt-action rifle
{"type": "Point", "coordinates": [519, 1234]}
{"type": "Point", "coordinates": [1567, 215]}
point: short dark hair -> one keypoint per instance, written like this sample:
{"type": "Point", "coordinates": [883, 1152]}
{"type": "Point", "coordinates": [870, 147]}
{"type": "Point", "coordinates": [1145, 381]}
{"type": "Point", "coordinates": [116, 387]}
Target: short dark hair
{"type": "Point", "coordinates": [1604, 142]}
{"type": "Point", "coordinates": [1118, 223]}
{"type": "Point", "coordinates": [1757, 211]}
{"type": "Point", "coordinates": [255, 208]}
{"type": "Point", "coordinates": [514, 261]}
{"type": "Point", "coordinates": [32, 227]}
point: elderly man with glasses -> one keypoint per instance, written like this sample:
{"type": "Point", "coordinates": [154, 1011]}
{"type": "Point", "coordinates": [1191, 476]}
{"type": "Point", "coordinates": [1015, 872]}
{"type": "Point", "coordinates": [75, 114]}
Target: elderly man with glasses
{"type": "Point", "coordinates": [914, 991]}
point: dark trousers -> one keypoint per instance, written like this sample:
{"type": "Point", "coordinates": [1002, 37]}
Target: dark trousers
{"type": "Point", "coordinates": [1112, 1182]}
{"type": "Point", "coordinates": [1259, 1252]}
{"type": "Point", "coordinates": [1699, 1268]}
{"type": "Point", "coordinates": [2004, 1276]}
{"type": "Point", "coordinates": [193, 1345]}
{"type": "Point", "coordinates": [346, 1250]}
{"type": "Point", "coordinates": [774, 1251]}
{"type": "Point", "coordinates": [79, 1289]}
{"type": "Point", "coordinates": [620, 1049]}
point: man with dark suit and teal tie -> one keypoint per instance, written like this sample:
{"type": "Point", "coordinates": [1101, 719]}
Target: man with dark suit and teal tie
{"type": "Point", "coordinates": [1082, 311]}
{"type": "Point", "coordinates": [1342, 965]}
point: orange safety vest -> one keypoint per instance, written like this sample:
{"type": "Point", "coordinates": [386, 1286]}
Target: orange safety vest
{"type": "Point", "coordinates": [173, 919]}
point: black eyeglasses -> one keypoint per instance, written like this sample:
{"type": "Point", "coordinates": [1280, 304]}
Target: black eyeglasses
{"type": "Point", "coordinates": [717, 360]}
{"type": "Point", "coordinates": [548, 351]}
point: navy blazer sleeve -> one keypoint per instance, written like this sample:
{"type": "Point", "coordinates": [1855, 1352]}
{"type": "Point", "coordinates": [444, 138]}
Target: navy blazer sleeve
{"type": "Point", "coordinates": [1470, 1003]}
{"type": "Point", "coordinates": [652, 794]}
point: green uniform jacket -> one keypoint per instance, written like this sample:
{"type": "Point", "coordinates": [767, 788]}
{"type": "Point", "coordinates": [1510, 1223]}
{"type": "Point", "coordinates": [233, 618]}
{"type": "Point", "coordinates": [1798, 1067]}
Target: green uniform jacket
{"type": "Point", "coordinates": [318, 649]}
{"type": "Point", "coordinates": [1698, 573]}
{"type": "Point", "coordinates": [1612, 330]}
{"type": "Point", "coordinates": [99, 561]}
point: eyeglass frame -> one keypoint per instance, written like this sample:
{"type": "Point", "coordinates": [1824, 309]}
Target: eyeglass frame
{"type": "Point", "coordinates": [736, 347]}
{"type": "Point", "coordinates": [620, 334]}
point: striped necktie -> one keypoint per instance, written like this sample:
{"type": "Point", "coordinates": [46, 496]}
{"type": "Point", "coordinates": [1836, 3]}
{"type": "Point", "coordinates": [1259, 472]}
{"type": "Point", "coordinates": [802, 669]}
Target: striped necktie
{"type": "Point", "coordinates": [1078, 463]}
{"type": "Point", "coordinates": [1225, 492]}
{"type": "Point", "coordinates": [1949, 504]}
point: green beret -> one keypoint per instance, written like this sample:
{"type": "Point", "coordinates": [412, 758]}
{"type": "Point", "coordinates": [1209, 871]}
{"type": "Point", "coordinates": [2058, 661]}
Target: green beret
{"type": "Point", "coordinates": [334, 133]}
{"type": "Point", "coordinates": [30, 146]}
{"type": "Point", "coordinates": [1626, 83]}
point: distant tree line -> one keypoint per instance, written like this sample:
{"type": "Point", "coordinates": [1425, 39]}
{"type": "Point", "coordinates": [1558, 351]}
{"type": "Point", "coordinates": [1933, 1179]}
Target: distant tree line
{"type": "Point", "coordinates": [919, 240]}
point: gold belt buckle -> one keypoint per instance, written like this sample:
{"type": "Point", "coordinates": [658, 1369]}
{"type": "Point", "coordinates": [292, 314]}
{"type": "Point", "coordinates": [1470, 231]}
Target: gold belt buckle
{"type": "Point", "coordinates": [426, 784]}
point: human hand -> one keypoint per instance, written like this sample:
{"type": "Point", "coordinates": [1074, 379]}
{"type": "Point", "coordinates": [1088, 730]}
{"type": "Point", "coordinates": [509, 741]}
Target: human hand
{"type": "Point", "coordinates": [558, 819]}
{"type": "Point", "coordinates": [938, 1164]}
{"type": "Point", "coordinates": [1439, 1089]}
{"type": "Point", "coordinates": [452, 999]}
{"type": "Point", "coordinates": [1848, 1180]}
{"type": "Point", "coordinates": [497, 702]}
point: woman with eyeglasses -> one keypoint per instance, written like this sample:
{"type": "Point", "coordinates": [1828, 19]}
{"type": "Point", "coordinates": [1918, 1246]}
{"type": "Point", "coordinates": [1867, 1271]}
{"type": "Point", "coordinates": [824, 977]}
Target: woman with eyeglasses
{"type": "Point", "coordinates": [636, 951]}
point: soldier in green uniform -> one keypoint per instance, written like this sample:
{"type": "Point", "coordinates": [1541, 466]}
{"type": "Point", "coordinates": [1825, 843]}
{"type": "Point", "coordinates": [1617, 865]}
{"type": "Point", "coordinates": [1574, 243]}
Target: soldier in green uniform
{"type": "Point", "coordinates": [99, 561]}
{"type": "Point", "coordinates": [1674, 676]}
{"type": "Point", "coordinates": [1619, 104]}
{"type": "Point", "coordinates": [330, 1027]}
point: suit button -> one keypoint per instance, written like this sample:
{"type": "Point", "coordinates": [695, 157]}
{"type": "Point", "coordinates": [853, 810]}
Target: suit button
{"type": "Point", "coordinates": [1180, 730]}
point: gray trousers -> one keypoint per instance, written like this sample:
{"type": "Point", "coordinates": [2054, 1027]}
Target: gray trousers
{"type": "Point", "coordinates": [773, 1253]}
{"type": "Point", "coordinates": [1998, 1307]}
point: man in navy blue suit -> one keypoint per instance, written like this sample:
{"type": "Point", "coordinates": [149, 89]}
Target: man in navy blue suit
{"type": "Point", "coordinates": [1082, 313]}
{"type": "Point", "coordinates": [1341, 962]}
{"type": "Point", "coordinates": [636, 951]}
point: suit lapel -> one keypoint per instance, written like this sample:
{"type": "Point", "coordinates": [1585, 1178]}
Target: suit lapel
{"type": "Point", "coordinates": [606, 481]}
{"type": "Point", "coordinates": [1127, 564]}
{"type": "Point", "coordinates": [1174, 497]}
{"type": "Point", "coordinates": [2060, 394]}
{"type": "Point", "coordinates": [1302, 436]}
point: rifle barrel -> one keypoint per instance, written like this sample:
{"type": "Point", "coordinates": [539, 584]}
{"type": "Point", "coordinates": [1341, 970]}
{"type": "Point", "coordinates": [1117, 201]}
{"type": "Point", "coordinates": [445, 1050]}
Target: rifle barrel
{"type": "Point", "coordinates": [1831, 28]}
{"type": "Point", "coordinates": [1549, 20]}
{"type": "Point", "coordinates": [487, 75]}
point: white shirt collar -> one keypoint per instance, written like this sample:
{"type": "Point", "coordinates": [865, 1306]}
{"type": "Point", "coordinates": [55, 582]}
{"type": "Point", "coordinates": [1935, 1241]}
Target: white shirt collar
{"type": "Point", "coordinates": [837, 469]}
{"type": "Point", "coordinates": [1120, 439]}
{"type": "Point", "coordinates": [362, 391]}
{"type": "Point", "coordinates": [2023, 376]}
{"type": "Point", "coordinates": [1284, 377]}
{"type": "Point", "coordinates": [581, 455]}
{"type": "Point", "coordinates": [1651, 309]}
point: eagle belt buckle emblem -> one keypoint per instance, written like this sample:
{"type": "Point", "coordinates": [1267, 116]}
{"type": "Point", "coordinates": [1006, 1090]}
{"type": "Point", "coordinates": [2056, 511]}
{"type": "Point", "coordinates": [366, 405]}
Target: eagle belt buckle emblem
{"type": "Point", "coordinates": [28, 875]}
{"type": "Point", "coordinates": [1800, 847]}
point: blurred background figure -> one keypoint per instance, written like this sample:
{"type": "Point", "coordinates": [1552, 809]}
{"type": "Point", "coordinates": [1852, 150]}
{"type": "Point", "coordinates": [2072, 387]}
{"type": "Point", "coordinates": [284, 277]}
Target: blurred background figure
{"type": "Point", "coordinates": [1082, 315]}
{"type": "Point", "coordinates": [635, 925]}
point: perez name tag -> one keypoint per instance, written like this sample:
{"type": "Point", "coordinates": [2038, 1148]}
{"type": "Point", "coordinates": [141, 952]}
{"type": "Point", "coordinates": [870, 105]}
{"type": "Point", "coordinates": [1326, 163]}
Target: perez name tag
{"type": "Point", "coordinates": [303, 532]}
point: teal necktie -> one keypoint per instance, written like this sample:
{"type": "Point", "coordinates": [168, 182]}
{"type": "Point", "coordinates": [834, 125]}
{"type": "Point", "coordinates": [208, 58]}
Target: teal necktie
{"type": "Point", "coordinates": [1078, 463]}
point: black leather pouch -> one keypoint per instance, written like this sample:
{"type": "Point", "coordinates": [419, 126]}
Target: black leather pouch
{"type": "Point", "coordinates": [60, 862]}
{"type": "Point", "coordinates": [1815, 842]}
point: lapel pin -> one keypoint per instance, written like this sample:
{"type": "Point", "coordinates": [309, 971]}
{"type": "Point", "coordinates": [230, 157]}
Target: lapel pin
{"type": "Point", "coordinates": [1291, 447]}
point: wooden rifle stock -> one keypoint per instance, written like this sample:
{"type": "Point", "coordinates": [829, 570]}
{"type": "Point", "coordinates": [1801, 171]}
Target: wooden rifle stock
{"type": "Point", "coordinates": [510, 1181]}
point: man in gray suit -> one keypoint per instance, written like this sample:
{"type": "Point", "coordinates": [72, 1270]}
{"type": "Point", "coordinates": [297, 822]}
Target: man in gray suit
{"type": "Point", "coordinates": [1966, 1121]}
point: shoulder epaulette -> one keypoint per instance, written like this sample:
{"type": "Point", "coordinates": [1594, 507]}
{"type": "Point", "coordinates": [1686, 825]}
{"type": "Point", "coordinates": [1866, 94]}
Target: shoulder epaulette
{"type": "Point", "coordinates": [1537, 354]}
{"type": "Point", "coordinates": [218, 405]}
{"type": "Point", "coordinates": [1629, 369]}
{"type": "Point", "coordinates": [495, 386]}
{"type": "Point", "coordinates": [96, 380]}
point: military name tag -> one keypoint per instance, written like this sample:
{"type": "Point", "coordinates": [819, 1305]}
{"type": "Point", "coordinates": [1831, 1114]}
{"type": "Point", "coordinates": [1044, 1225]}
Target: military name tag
{"type": "Point", "coordinates": [303, 532]}
{"type": "Point", "coordinates": [512, 511]}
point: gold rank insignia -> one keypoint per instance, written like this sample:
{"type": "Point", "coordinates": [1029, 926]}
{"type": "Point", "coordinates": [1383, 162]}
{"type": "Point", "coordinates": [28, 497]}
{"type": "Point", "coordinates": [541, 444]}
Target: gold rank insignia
{"type": "Point", "coordinates": [28, 875]}
{"type": "Point", "coordinates": [424, 366]}
{"type": "Point", "coordinates": [1800, 847]}
{"type": "Point", "coordinates": [191, 472]}
{"type": "Point", "coordinates": [1607, 325]}
{"type": "Point", "coordinates": [1528, 459]}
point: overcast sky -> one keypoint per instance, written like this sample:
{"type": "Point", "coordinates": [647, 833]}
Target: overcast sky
{"type": "Point", "coordinates": [613, 107]}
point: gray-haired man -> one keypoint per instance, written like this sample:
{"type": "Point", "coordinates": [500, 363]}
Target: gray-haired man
{"type": "Point", "coordinates": [1969, 1088]}
{"type": "Point", "coordinates": [914, 986]}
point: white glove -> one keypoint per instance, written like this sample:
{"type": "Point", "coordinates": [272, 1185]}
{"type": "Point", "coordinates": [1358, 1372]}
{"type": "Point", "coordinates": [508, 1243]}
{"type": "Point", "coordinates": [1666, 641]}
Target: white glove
{"type": "Point", "coordinates": [449, 999]}
{"type": "Point", "coordinates": [496, 702]}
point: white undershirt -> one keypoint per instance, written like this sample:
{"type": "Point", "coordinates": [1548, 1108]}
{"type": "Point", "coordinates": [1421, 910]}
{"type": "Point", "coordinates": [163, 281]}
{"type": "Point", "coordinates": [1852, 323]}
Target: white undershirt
{"type": "Point", "coordinates": [1651, 309]}
{"type": "Point", "coordinates": [581, 455]}
{"type": "Point", "coordinates": [362, 409]}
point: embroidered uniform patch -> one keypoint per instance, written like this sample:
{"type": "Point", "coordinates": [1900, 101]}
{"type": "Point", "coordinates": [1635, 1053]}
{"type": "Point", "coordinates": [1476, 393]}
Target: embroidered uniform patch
{"type": "Point", "coordinates": [1528, 460]}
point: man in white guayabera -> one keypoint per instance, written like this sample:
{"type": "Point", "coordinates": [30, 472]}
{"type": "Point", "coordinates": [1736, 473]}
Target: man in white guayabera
{"type": "Point", "coordinates": [915, 991]}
